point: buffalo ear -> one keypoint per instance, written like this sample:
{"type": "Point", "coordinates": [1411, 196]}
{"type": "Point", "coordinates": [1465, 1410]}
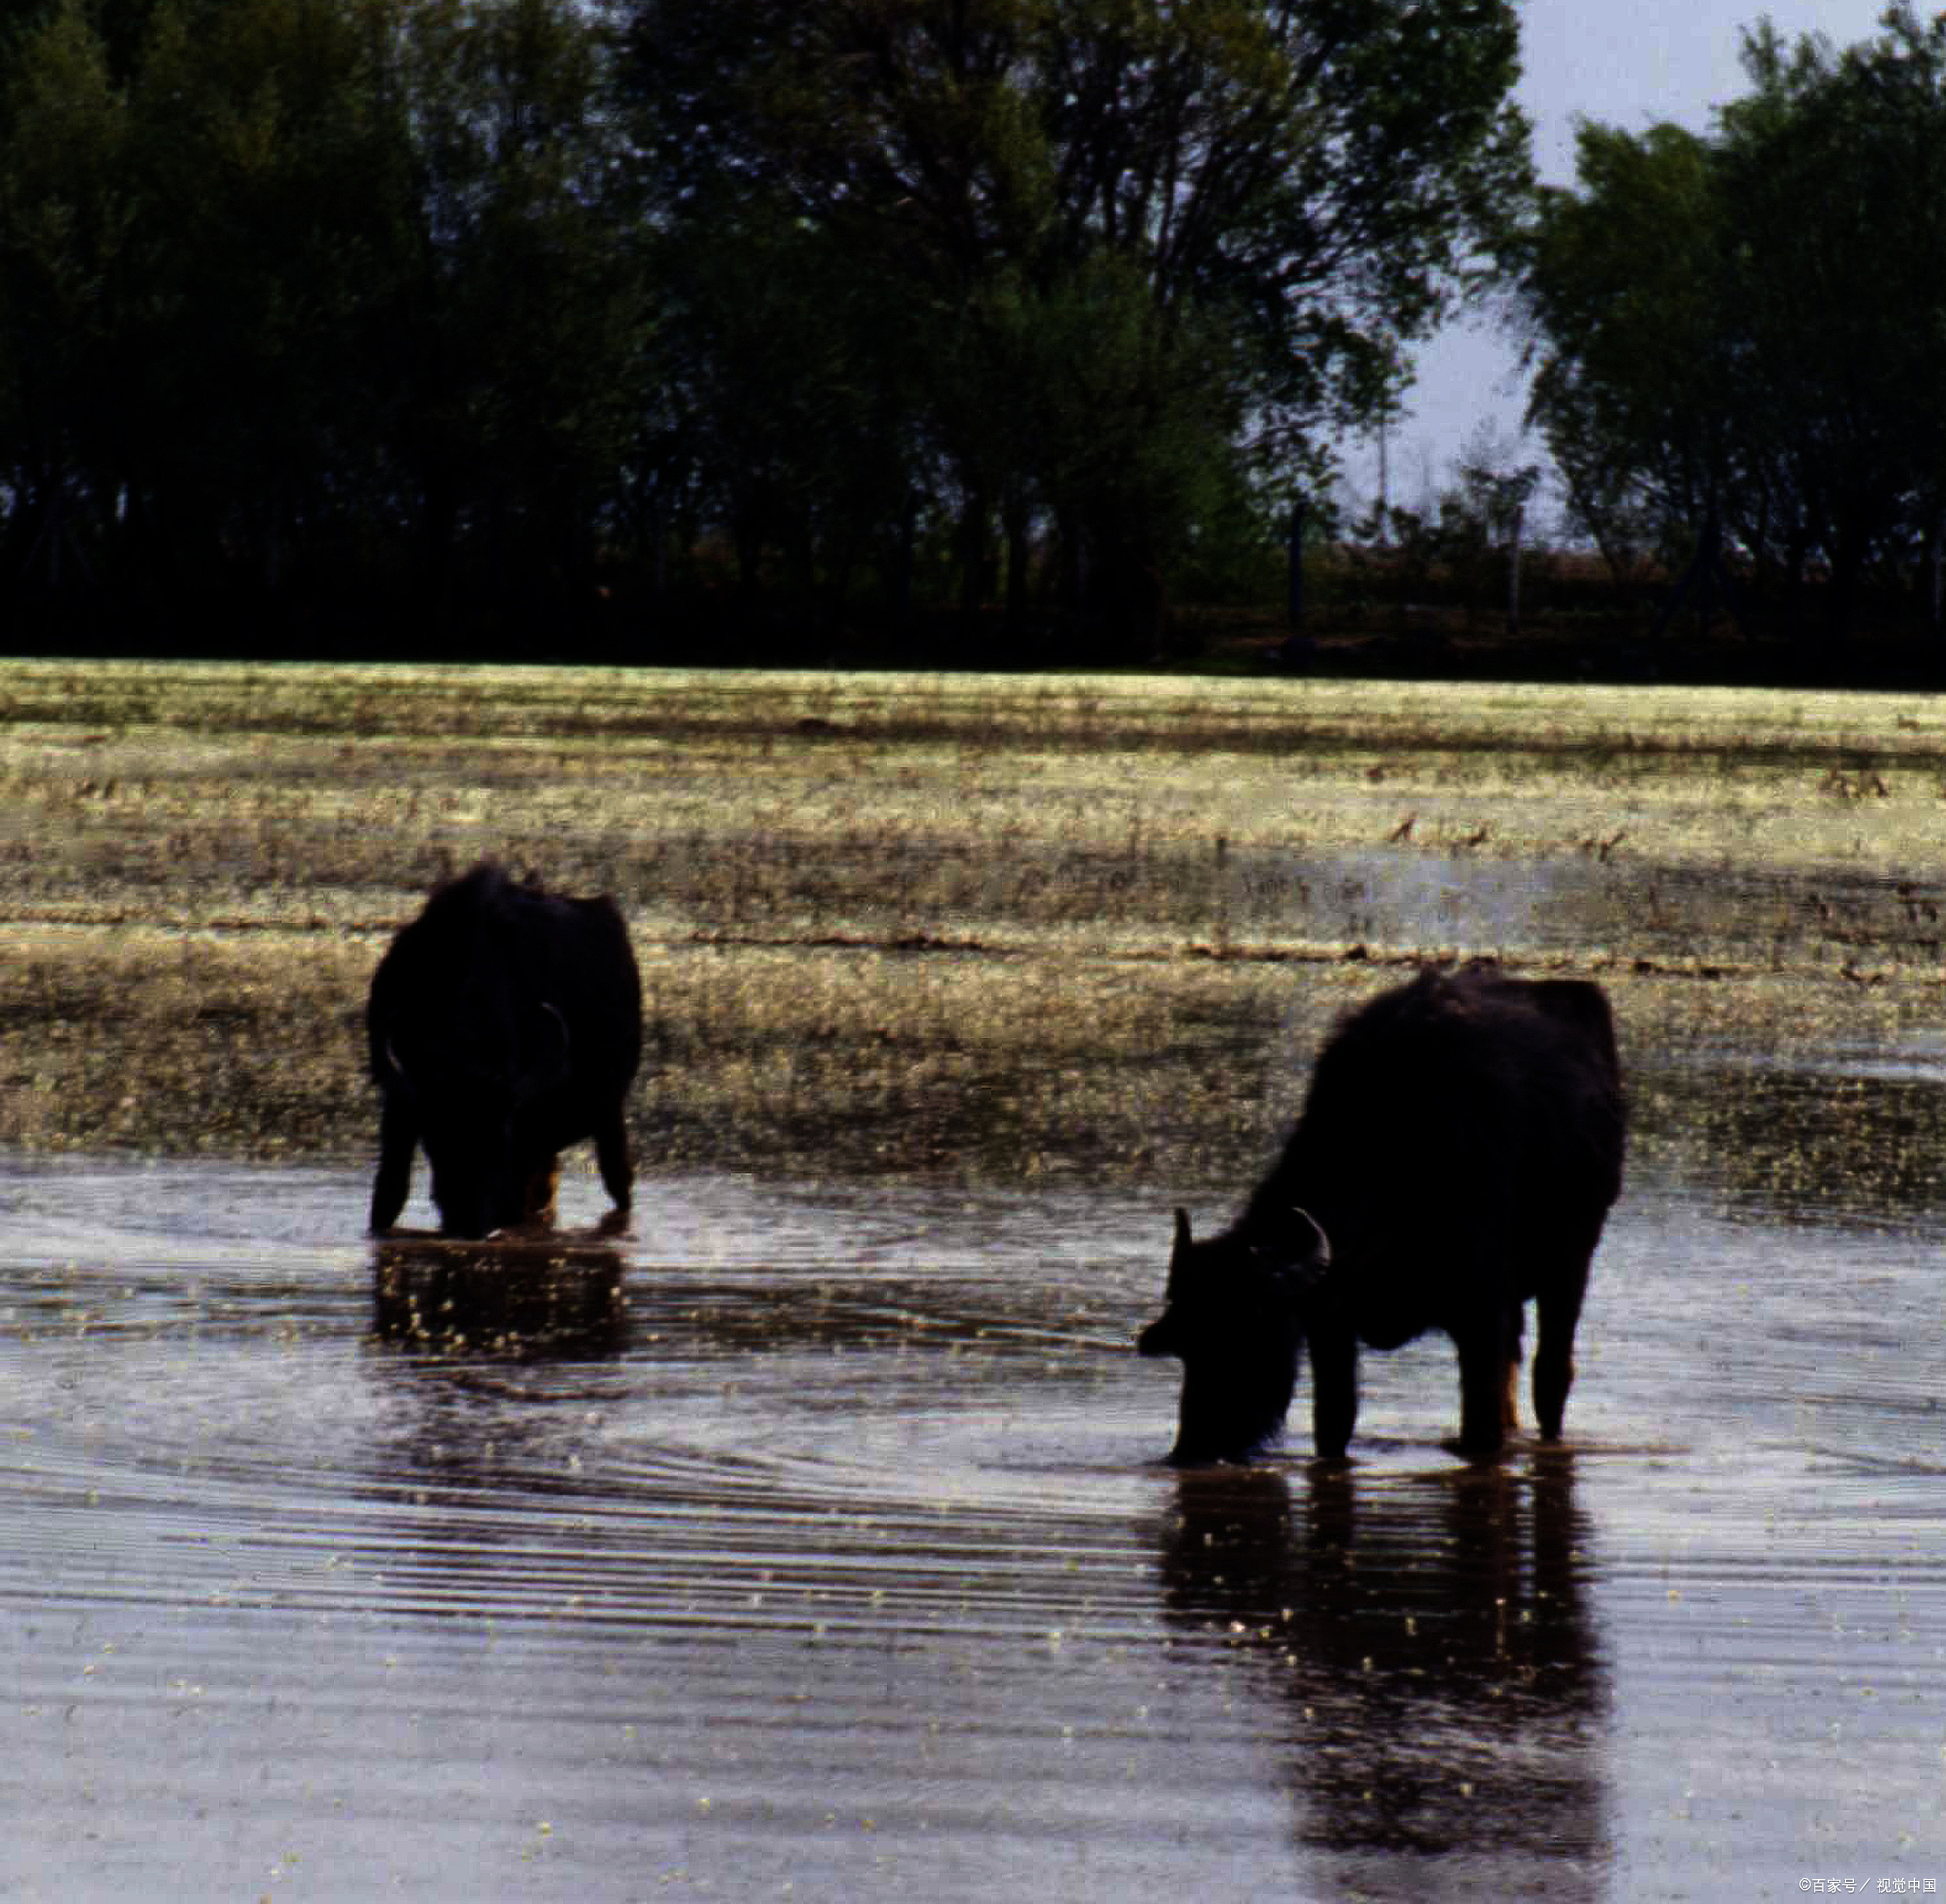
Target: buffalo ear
{"type": "Point", "coordinates": [1182, 1229]}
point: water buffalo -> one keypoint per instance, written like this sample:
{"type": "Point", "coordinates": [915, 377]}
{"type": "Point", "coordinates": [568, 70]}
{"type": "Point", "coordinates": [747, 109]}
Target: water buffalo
{"type": "Point", "coordinates": [505, 1023]}
{"type": "Point", "coordinates": [1457, 1154]}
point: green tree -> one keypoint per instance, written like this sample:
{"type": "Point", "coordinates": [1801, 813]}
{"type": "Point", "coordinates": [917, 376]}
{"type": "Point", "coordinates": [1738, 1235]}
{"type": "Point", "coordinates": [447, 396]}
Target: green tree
{"type": "Point", "coordinates": [1138, 247]}
{"type": "Point", "coordinates": [768, 414]}
{"type": "Point", "coordinates": [1836, 166]}
{"type": "Point", "coordinates": [1743, 333]}
{"type": "Point", "coordinates": [1627, 288]}
{"type": "Point", "coordinates": [301, 299]}
{"type": "Point", "coordinates": [267, 172]}
{"type": "Point", "coordinates": [66, 217]}
{"type": "Point", "coordinates": [520, 331]}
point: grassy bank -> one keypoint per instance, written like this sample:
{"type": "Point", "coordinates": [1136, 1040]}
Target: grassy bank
{"type": "Point", "coordinates": [986, 927]}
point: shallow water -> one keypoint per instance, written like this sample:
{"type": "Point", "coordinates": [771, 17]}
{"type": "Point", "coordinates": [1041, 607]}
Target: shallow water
{"type": "Point", "coordinates": [838, 1562]}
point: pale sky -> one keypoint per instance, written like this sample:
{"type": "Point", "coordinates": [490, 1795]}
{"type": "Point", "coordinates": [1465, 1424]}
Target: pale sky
{"type": "Point", "coordinates": [1625, 65]}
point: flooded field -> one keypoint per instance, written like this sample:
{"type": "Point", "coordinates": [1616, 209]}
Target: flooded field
{"type": "Point", "coordinates": [840, 1563]}
{"type": "Point", "coordinates": [811, 1540]}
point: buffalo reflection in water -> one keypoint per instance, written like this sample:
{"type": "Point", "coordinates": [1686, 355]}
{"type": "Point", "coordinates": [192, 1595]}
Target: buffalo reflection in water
{"type": "Point", "coordinates": [551, 1295]}
{"type": "Point", "coordinates": [1443, 1690]}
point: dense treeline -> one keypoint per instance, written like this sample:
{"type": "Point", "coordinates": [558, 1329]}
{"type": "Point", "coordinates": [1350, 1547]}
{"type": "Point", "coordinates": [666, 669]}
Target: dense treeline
{"type": "Point", "coordinates": [433, 324]}
{"type": "Point", "coordinates": [635, 328]}
{"type": "Point", "coordinates": [1742, 335]}
{"type": "Point", "coordinates": [310, 311]}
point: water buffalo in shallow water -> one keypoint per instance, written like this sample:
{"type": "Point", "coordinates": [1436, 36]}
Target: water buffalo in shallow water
{"type": "Point", "coordinates": [1457, 1154]}
{"type": "Point", "coordinates": [505, 1023]}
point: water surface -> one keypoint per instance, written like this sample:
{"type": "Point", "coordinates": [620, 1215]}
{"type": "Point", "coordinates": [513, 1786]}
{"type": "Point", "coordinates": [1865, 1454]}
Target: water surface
{"type": "Point", "coordinates": [836, 1561]}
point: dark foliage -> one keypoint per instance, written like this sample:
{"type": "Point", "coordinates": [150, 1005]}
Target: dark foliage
{"type": "Point", "coordinates": [403, 327]}
{"type": "Point", "coordinates": [1742, 338]}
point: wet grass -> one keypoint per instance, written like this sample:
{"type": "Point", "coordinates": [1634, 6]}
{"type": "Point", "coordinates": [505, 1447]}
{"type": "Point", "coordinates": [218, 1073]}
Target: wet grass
{"type": "Point", "coordinates": [996, 929]}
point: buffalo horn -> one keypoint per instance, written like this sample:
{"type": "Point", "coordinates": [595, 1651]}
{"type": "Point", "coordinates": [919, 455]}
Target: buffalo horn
{"type": "Point", "coordinates": [1320, 1251]}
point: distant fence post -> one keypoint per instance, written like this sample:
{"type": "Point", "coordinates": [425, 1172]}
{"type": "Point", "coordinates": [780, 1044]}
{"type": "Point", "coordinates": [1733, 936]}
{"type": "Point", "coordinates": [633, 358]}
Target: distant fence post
{"type": "Point", "coordinates": [1294, 601]}
{"type": "Point", "coordinates": [1514, 532]}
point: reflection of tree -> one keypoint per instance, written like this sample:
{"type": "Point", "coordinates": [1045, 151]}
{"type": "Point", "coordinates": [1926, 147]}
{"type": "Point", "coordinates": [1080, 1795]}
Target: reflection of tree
{"type": "Point", "coordinates": [1443, 1688]}
{"type": "Point", "coordinates": [553, 1296]}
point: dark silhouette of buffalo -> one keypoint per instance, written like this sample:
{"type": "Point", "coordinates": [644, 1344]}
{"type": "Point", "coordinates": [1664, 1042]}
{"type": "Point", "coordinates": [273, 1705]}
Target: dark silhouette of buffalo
{"type": "Point", "coordinates": [505, 1023]}
{"type": "Point", "coordinates": [1457, 1154]}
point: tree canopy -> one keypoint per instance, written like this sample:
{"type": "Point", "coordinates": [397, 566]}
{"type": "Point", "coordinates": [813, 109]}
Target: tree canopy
{"type": "Point", "coordinates": [1742, 334]}
{"type": "Point", "coordinates": [477, 309]}
{"type": "Point", "coordinates": [306, 304]}
{"type": "Point", "coordinates": [1132, 258]}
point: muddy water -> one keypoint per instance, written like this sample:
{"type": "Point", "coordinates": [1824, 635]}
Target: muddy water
{"type": "Point", "coordinates": [811, 1543]}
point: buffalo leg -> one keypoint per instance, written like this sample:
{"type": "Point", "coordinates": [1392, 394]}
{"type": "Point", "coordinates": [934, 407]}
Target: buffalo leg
{"type": "Point", "coordinates": [617, 1172]}
{"type": "Point", "coordinates": [1486, 1350]}
{"type": "Point", "coordinates": [1510, 1413]}
{"type": "Point", "coordinates": [1553, 1354]}
{"type": "Point", "coordinates": [543, 1186]}
{"type": "Point", "coordinates": [398, 1136]}
{"type": "Point", "coordinates": [1334, 1391]}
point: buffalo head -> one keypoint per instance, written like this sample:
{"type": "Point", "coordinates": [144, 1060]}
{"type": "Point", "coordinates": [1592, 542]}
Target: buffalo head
{"type": "Point", "coordinates": [1234, 1311]}
{"type": "Point", "coordinates": [471, 1084]}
